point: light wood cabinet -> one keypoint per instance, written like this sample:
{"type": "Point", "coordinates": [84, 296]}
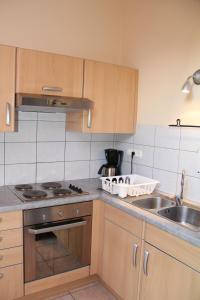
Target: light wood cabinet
{"type": "Point", "coordinates": [7, 88]}
{"type": "Point", "coordinates": [168, 278]}
{"type": "Point", "coordinates": [113, 89]}
{"type": "Point", "coordinates": [48, 73]}
{"type": "Point", "coordinates": [121, 261]}
{"type": "Point", "coordinates": [11, 282]}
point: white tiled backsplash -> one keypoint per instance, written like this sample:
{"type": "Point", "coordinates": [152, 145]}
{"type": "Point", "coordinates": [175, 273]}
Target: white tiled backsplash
{"type": "Point", "coordinates": [166, 152]}
{"type": "Point", "coordinates": [42, 150]}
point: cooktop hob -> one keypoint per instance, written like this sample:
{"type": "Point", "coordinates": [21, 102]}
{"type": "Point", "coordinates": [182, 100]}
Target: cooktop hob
{"type": "Point", "coordinates": [46, 191]}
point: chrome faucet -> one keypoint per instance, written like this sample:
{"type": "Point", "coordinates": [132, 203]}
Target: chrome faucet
{"type": "Point", "coordinates": [179, 198]}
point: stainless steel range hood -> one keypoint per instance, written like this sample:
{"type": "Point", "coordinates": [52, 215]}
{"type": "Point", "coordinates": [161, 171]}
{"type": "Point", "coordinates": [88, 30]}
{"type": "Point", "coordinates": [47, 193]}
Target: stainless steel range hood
{"type": "Point", "coordinates": [53, 104]}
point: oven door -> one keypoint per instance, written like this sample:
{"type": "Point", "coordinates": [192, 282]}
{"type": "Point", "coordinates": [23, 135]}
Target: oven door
{"type": "Point", "coordinates": [56, 247]}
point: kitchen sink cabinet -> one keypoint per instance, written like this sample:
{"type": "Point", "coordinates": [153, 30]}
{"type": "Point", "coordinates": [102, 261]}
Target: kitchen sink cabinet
{"type": "Point", "coordinates": [167, 278]}
{"type": "Point", "coordinates": [113, 89]}
{"type": "Point", "coordinates": [48, 73]}
{"type": "Point", "coordinates": [7, 88]}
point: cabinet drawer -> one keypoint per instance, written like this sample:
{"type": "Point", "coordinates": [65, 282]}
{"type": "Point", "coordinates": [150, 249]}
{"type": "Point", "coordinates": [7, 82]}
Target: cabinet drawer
{"type": "Point", "coordinates": [11, 238]}
{"type": "Point", "coordinates": [11, 282]}
{"type": "Point", "coordinates": [9, 220]}
{"type": "Point", "coordinates": [129, 223]}
{"type": "Point", "coordinates": [12, 256]}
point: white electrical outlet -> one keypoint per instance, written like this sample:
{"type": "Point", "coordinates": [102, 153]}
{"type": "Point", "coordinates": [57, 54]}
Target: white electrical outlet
{"type": "Point", "coordinates": [138, 153]}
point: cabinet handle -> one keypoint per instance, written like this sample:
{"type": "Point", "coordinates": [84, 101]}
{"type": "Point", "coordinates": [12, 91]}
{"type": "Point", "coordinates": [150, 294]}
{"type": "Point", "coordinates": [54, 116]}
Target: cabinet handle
{"type": "Point", "coordinates": [1, 257]}
{"type": "Point", "coordinates": [52, 89]}
{"type": "Point", "coordinates": [135, 248]}
{"type": "Point", "coordinates": [1, 239]}
{"type": "Point", "coordinates": [89, 123]}
{"type": "Point", "coordinates": [1, 275]}
{"type": "Point", "coordinates": [8, 114]}
{"type": "Point", "coordinates": [145, 262]}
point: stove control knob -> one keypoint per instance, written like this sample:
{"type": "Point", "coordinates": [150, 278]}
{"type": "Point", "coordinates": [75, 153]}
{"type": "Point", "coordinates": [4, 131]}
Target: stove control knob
{"type": "Point", "coordinates": [60, 213]}
{"type": "Point", "coordinates": [80, 191]}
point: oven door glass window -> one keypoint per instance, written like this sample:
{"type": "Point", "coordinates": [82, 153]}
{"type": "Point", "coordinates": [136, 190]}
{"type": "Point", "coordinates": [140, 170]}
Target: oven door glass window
{"type": "Point", "coordinates": [57, 247]}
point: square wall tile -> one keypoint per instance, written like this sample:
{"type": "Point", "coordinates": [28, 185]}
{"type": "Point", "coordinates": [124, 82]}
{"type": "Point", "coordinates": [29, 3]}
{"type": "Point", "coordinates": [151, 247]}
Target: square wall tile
{"type": "Point", "coordinates": [77, 151]}
{"type": "Point", "coordinates": [77, 137]}
{"type": "Point", "coordinates": [51, 131]}
{"type": "Point", "coordinates": [166, 159]}
{"type": "Point", "coordinates": [77, 170]}
{"type": "Point", "coordinates": [95, 166]}
{"type": "Point", "coordinates": [2, 155]}
{"type": "Point", "coordinates": [124, 138]}
{"type": "Point", "coordinates": [26, 115]}
{"type": "Point", "coordinates": [190, 139]}
{"type": "Point", "coordinates": [58, 117]}
{"type": "Point", "coordinates": [2, 134]}
{"type": "Point", "coordinates": [124, 147]}
{"type": "Point", "coordinates": [2, 175]}
{"type": "Point", "coordinates": [20, 153]}
{"type": "Point", "coordinates": [26, 132]}
{"type": "Point", "coordinates": [167, 181]}
{"type": "Point", "coordinates": [97, 149]}
{"type": "Point", "coordinates": [143, 170]}
{"type": "Point", "coordinates": [126, 168]}
{"type": "Point", "coordinates": [190, 162]}
{"type": "Point", "coordinates": [167, 137]}
{"type": "Point", "coordinates": [145, 135]}
{"type": "Point", "coordinates": [50, 171]}
{"type": "Point", "coordinates": [50, 151]}
{"type": "Point", "coordinates": [147, 155]}
{"type": "Point", "coordinates": [102, 137]}
{"type": "Point", "coordinates": [21, 173]}
{"type": "Point", "coordinates": [191, 189]}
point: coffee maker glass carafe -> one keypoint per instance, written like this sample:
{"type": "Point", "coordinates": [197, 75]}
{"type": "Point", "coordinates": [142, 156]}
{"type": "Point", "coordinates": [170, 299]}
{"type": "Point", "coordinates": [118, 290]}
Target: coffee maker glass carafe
{"type": "Point", "coordinates": [113, 166]}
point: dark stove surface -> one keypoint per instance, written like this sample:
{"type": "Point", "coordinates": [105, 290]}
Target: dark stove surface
{"type": "Point", "coordinates": [46, 191]}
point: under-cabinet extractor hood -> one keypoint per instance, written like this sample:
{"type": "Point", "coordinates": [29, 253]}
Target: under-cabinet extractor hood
{"type": "Point", "coordinates": [53, 104]}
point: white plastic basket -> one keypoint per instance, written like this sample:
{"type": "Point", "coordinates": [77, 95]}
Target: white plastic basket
{"type": "Point", "coordinates": [129, 185]}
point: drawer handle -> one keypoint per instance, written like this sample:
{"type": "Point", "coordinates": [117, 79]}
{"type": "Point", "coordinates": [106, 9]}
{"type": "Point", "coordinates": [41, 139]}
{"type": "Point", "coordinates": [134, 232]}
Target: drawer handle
{"type": "Point", "coordinates": [145, 263]}
{"type": "Point", "coordinates": [1, 275]}
{"type": "Point", "coordinates": [89, 123]}
{"type": "Point", "coordinates": [135, 248]}
{"type": "Point", "coordinates": [1, 238]}
{"type": "Point", "coordinates": [1, 257]}
{"type": "Point", "coordinates": [52, 89]}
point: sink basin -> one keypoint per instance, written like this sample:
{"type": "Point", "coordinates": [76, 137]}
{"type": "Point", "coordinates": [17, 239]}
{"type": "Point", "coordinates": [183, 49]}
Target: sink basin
{"type": "Point", "coordinates": [182, 215]}
{"type": "Point", "coordinates": [153, 203]}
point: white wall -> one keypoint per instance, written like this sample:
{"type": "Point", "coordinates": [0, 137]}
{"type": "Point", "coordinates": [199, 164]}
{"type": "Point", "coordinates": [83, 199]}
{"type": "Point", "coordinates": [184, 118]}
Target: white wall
{"type": "Point", "coordinates": [85, 28]}
{"type": "Point", "coordinates": [162, 39]}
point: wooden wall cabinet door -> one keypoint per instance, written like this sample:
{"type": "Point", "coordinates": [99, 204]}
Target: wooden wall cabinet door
{"type": "Point", "coordinates": [47, 73]}
{"type": "Point", "coordinates": [121, 261]}
{"type": "Point", "coordinates": [168, 278]}
{"type": "Point", "coordinates": [114, 92]}
{"type": "Point", "coordinates": [7, 88]}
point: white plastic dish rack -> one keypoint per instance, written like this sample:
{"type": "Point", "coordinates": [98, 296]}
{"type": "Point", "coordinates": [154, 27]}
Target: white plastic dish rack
{"type": "Point", "coordinates": [129, 185]}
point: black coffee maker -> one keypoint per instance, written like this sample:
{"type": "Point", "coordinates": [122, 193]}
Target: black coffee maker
{"type": "Point", "coordinates": [113, 166]}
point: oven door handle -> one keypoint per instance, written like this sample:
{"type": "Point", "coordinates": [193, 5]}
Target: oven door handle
{"type": "Point", "coordinates": [54, 228]}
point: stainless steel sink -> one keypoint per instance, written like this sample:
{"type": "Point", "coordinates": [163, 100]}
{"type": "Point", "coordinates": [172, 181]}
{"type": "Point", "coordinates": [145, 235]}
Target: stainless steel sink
{"type": "Point", "coordinates": [182, 215]}
{"type": "Point", "coordinates": [154, 203]}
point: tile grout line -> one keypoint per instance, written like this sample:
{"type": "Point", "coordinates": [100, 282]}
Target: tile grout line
{"type": "Point", "coordinates": [36, 141]}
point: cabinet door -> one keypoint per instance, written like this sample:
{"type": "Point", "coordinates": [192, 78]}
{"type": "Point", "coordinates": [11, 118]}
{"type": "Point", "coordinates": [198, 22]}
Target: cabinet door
{"type": "Point", "coordinates": [48, 73]}
{"type": "Point", "coordinates": [7, 88]}
{"type": "Point", "coordinates": [120, 267]}
{"type": "Point", "coordinates": [168, 279]}
{"type": "Point", "coordinates": [11, 282]}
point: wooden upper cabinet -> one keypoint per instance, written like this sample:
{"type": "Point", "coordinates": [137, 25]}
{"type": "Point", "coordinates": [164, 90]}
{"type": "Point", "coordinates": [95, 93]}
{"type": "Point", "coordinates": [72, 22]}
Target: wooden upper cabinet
{"type": "Point", "coordinates": [7, 88]}
{"type": "Point", "coordinates": [114, 91]}
{"type": "Point", "coordinates": [47, 73]}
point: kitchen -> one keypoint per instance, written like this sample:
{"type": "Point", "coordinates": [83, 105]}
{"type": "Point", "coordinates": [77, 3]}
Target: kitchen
{"type": "Point", "coordinates": [118, 67]}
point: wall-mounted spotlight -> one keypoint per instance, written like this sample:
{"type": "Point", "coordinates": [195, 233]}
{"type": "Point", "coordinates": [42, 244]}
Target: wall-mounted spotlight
{"type": "Point", "coordinates": [193, 79]}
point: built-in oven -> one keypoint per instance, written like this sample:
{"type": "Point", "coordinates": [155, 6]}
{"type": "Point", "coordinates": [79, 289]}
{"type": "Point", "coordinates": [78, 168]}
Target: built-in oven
{"type": "Point", "coordinates": [56, 239]}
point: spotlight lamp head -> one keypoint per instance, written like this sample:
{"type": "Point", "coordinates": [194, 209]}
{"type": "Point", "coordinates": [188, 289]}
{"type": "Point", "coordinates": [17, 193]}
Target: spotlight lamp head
{"type": "Point", "coordinates": [191, 80]}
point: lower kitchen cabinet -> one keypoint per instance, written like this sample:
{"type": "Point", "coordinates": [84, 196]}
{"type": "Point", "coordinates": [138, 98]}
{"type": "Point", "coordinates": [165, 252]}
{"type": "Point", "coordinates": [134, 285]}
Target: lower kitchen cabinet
{"type": "Point", "coordinates": [11, 282]}
{"type": "Point", "coordinates": [120, 261]}
{"type": "Point", "coordinates": [166, 278]}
